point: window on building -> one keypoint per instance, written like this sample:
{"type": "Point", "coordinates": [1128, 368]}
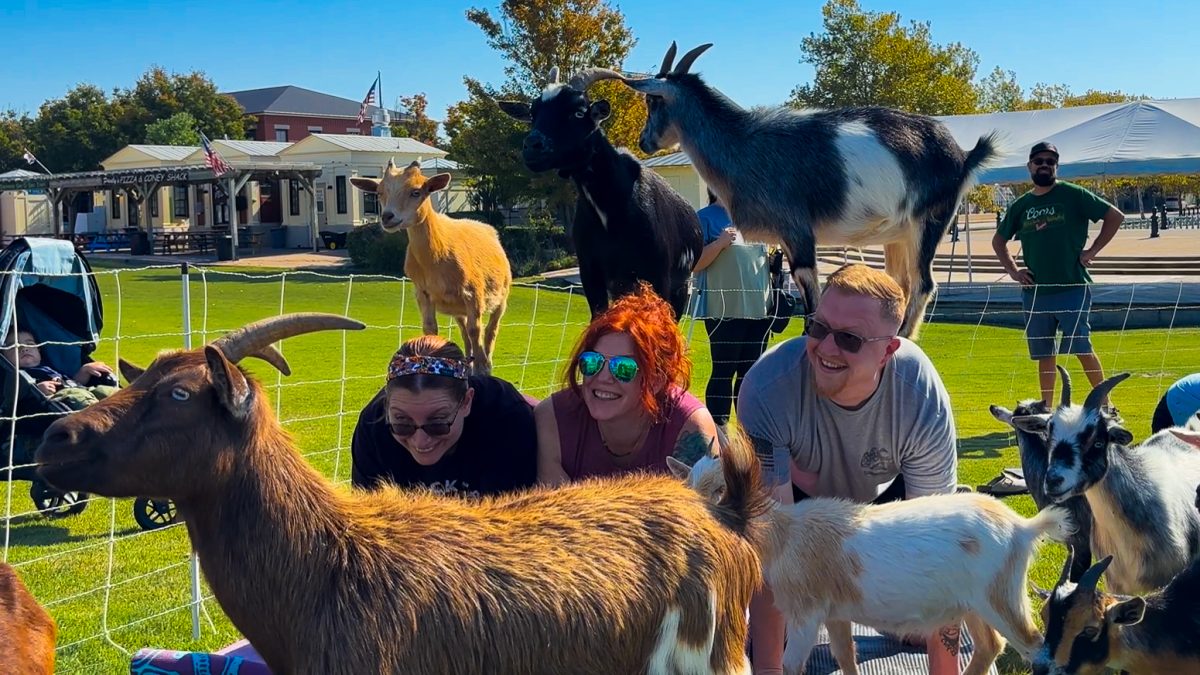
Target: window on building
{"type": "Point", "coordinates": [115, 199]}
{"type": "Point", "coordinates": [341, 194]}
{"type": "Point", "coordinates": [281, 135]}
{"type": "Point", "coordinates": [179, 201]}
{"type": "Point", "coordinates": [294, 197]}
{"type": "Point", "coordinates": [153, 204]}
{"type": "Point", "coordinates": [314, 130]}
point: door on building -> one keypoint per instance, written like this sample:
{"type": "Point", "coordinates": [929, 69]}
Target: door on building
{"type": "Point", "coordinates": [270, 210]}
{"type": "Point", "coordinates": [319, 195]}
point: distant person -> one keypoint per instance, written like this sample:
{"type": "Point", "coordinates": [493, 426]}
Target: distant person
{"type": "Point", "coordinates": [1051, 221]}
{"type": "Point", "coordinates": [1178, 405]}
{"type": "Point", "coordinates": [734, 286]}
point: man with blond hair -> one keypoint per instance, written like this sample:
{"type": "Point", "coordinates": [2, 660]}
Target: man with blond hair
{"type": "Point", "coordinates": [849, 410]}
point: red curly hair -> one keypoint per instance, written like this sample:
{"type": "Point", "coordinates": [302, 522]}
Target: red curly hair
{"type": "Point", "coordinates": [658, 346]}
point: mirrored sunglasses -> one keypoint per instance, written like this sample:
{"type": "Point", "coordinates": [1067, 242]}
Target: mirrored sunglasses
{"type": "Point", "coordinates": [623, 368]}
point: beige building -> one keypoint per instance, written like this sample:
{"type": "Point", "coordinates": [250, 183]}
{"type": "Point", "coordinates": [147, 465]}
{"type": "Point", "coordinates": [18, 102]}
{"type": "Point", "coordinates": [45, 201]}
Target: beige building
{"type": "Point", "coordinates": [677, 169]}
{"type": "Point", "coordinates": [24, 211]}
{"type": "Point", "coordinates": [268, 204]}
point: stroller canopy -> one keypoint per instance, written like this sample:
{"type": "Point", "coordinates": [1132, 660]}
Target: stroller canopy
{"type": "Point", "coordinates": [48, 288]}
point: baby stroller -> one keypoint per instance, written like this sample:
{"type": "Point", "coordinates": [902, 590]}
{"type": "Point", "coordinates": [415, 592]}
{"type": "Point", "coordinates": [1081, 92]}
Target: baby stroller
{"type": "Point", "coordinates": [46, 287]}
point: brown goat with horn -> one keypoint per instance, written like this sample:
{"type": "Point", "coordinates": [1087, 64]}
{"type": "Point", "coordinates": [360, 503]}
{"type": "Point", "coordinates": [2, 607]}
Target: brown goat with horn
{"type": "Point", "coordinates": [619, 575]}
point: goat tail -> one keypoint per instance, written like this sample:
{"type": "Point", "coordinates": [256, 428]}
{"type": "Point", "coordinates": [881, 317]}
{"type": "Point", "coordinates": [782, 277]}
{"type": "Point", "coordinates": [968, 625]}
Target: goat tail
{"type": "Point", "coordinates": [746, 498]}
{"type": "Point", "coordinates": [1054, 522]}
{"type": "Point", "coordinates": [986, 151]}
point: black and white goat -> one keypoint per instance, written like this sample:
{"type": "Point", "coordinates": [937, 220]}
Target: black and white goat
{"type": "Point", "coordinates": [630, 225]}
{"type": "Point", "coordinates": [1035, 459]}
{"type": "Point", "coordinates": [1142, 498]}
{"type": "Point", "coordinates": [1088, 630]}
{"type": "Point", "coordinates": [852, 176]}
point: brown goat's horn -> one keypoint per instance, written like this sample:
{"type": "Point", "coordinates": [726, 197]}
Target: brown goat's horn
{"type": "Point", "coordinates": [1097, 395]}
{"type": "Point", "coordinates": [1092, 577]}
{"type": "Point", "coordinates": [1066, 380]}
{"type": "Point", "coordinates": [686, 62]}
{"type": "Point", "coordinates": [585, 78]}
{"type": "Point", "coordinates": [1066, 570]}
{"type": "Point", "coordinates": [256, 339]}
{"type": "Point", "coordinates": [667, 61]}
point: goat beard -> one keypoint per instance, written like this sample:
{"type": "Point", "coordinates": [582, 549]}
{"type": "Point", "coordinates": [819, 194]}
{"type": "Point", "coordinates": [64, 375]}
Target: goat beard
{"type": "Point", "coordinates": [1043, 179]}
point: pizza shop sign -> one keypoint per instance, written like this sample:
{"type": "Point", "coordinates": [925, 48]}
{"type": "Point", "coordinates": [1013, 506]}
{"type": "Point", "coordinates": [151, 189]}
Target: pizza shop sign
{"type": "Point", "coordinates": [157, 177]}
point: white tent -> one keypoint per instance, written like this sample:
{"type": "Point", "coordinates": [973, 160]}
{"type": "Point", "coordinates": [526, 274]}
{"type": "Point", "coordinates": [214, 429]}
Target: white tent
{"type": "Point", "coordinates": [1113, 139]}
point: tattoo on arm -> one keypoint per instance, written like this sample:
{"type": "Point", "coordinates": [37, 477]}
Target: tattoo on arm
{"type": "Point", "coordinates": [949, 636]}
{"type": "Point", "coordinates": [691, 446]}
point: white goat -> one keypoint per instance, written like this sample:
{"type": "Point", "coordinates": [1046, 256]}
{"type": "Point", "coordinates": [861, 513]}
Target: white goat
{"type": "Point", "coordinates": [907, 568]}
{"type": "Point", "coordinates": [1142, 497]}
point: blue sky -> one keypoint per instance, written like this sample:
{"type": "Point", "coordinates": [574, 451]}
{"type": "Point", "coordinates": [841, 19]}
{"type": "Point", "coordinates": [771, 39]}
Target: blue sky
{"type": "Point", "coordinates": [428, 46]}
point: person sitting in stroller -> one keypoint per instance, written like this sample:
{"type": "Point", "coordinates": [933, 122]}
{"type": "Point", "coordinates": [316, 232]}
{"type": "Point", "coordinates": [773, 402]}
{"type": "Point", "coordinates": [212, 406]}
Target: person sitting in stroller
{"type": "Point", "coordinates": [78, 392]}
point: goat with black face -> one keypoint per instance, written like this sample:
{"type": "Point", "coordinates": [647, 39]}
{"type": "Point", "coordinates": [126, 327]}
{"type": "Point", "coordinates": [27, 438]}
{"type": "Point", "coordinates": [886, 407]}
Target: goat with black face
{"type": "Point", "coordinates": [630, 225]}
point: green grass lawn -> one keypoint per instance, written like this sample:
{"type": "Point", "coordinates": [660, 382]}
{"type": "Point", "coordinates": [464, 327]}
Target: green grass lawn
{"type": "Point", "coordinates": [113, 588]}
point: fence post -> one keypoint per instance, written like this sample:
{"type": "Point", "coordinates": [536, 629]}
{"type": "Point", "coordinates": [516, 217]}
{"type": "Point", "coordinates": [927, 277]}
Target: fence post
{"type": "Point", "coordinates": [193, 560]}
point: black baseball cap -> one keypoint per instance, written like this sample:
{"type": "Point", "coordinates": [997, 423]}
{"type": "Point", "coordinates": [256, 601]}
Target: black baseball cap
{"type": "Point", "coordinates": [1044, 146]}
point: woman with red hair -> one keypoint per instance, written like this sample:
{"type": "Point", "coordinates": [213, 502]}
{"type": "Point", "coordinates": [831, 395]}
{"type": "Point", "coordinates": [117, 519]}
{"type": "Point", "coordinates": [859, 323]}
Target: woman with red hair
{"type": "Point", "coordinates": [626, 406]}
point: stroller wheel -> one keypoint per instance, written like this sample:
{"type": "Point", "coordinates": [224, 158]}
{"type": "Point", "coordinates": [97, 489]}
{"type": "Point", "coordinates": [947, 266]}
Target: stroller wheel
{"type": "Point", "coordinates": [152, 514]}
{"type": "Point", "coordinates": [56, 504]}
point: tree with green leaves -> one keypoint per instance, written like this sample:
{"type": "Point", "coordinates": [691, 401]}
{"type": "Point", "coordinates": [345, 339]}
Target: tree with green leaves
{"type": "Point", "coordinates": [416, 125]}
{"type": "Point", "coordinates": [14, 140]}
{"type": "Point", "coordinates": [871, 58]}
{"type": "Point", "coordinates": [157, 95]}
{"type": "Point", "coordinates": [1000, 92]}
{"type": "Point", "coordinates": [178, 129]}
{"type": "Point", "coordinates": [533, 36]}
{"type": "Point", "coordinates": [77, 131]}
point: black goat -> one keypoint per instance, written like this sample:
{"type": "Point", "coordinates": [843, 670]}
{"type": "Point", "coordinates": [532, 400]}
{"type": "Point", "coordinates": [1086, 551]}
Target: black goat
{"type": "Point", "coordinates": [629, 224]}
{"type": "Point", "coordinates": [1035, 459]}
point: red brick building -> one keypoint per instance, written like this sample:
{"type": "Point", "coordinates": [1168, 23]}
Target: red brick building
{"type": "Point", "coordinates": [291, 113]}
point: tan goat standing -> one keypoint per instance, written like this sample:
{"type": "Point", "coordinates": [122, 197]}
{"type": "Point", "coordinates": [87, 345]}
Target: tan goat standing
{"type": "Point", "coordinates": [457, 265]}
{"type": "Point", "coordinates": [27, 632]}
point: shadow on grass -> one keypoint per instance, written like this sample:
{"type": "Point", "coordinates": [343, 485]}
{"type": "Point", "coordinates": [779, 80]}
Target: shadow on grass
{"type": "Point", "coordinates": [987, 446]}
{"type": "Point", "coordinates": [46, 533]}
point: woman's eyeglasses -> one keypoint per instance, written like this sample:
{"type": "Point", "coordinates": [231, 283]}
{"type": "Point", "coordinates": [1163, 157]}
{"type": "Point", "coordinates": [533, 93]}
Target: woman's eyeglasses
{"type": "Point", "coordinates": [844, 339]}
{"type": "Point", "coordinates": [623, 368]}
{"type": "Point", "coordinates": [407, 429]}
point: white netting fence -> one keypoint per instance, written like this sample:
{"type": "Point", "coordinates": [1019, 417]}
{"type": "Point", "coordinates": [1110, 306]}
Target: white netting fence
{"type": "Point", "coordinates": [115, 587]}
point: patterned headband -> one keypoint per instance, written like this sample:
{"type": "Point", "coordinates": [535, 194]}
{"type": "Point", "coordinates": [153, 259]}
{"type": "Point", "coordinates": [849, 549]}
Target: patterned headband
{"type": "Point", "coordinates": [427, 365]}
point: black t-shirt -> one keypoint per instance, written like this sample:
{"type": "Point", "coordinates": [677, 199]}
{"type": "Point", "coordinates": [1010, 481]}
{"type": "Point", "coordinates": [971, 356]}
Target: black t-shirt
{"type": "Point", "coordinates": [496, 453]}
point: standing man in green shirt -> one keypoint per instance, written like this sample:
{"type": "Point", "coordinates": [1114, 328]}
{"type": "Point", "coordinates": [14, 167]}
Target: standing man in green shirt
{"type": "Point", "coordinates": [1051, 220]}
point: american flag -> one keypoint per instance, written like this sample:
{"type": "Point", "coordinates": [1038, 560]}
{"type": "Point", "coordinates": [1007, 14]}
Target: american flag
{"type": "Point", "coordinates": [212, 159]}
{"type": "Point", "coordinates": [367, 100]}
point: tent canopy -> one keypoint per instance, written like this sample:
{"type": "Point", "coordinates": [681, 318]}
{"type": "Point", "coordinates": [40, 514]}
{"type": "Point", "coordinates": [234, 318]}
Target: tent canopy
{"type": "Point", "coordinates": [1095, 141]}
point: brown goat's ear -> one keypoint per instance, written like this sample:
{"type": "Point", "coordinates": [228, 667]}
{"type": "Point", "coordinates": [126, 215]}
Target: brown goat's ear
{"type": "Point", "coordinates": [678, 469]}
{"type": "Point", "coordinates": [365, 184]}
{"type": "Point", "coordinates": [1128, 612]}
{"type": "Point", "coordinates": [231, 385]}
{"type": "Point", "coordinates": [129, 371]}
{"type": "Point", "coordinates": [518, 110]}
{"type": "Point", "coordinates": [437, 182]}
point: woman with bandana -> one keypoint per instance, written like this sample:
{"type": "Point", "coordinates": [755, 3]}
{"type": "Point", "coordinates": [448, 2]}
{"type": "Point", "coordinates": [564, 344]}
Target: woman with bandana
{"type": "Point", "coordinates": [434, 426]}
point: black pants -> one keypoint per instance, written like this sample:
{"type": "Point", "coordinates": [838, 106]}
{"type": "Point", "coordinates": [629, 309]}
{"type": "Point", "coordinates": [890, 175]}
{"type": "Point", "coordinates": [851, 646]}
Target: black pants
{"type": "Point", "coordinates": [735, 344]}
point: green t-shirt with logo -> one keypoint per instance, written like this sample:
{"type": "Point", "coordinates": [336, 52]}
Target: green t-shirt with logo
{"type": "Point", "coordinates": [1053, 229]}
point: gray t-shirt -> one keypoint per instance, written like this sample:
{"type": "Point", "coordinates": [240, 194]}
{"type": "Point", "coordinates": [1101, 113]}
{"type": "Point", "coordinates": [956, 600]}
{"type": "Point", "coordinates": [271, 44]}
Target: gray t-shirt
{"type": "Point", "coordinates": [905, 428]}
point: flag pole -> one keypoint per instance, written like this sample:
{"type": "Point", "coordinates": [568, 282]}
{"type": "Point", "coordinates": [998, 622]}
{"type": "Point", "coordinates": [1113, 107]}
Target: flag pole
{"type": "Point", "coordinates": [379, 92]}
{"type": "Point", "coordinates": [29, 154]}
